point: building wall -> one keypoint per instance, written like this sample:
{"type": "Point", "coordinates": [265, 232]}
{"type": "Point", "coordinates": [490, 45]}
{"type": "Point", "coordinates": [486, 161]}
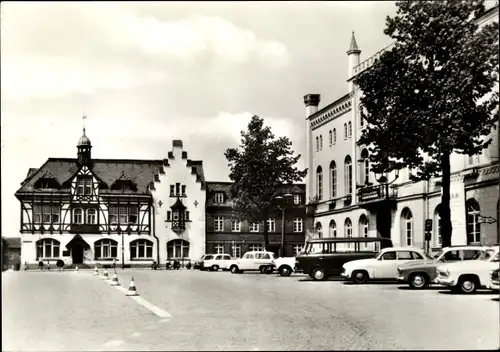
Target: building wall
{"type": "Point", "coordinates": [421, 198]}
{"type": "Point", "coordinates": [179, 172]}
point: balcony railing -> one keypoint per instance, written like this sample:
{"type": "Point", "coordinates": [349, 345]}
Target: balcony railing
{"type": "Point", "coordinates": [376, 193]}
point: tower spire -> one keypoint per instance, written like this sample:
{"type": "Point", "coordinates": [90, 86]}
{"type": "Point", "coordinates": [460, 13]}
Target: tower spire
{"type": "Point", "coordinates": [353, 49]}
{"type": "Point", "coordinates": [84, 117]}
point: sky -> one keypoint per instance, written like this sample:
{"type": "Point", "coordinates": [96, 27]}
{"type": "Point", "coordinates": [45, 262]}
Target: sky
{"type": "Point", "coordinates": [145, 73]}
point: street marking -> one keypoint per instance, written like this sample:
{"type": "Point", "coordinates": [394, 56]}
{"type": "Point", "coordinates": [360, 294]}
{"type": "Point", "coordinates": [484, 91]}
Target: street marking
{"type": "Point", "coordinates": [136, 334]}
{"type": "Point", "coordinates": [120, 288]}
{"type": "Point", "coordinates": [164, 320]}
{"type": "Point", "coordinates": [114, 343]}
{"type": "Point", "coordinates": [158, 311]}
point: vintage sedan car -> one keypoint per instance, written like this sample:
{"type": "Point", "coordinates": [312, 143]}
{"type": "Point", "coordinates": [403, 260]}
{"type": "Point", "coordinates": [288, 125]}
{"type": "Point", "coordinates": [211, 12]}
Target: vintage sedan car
{"type": "Point", "coordinates": [217, 261]}
{"type": "Point", "coordinates": [384, 266]}
{"type": "Point", "coordinates": [287, 265]}
{"type": "Point", "coordinates": [494, 280]}
{"type": "Point", "coordinates": [420, 274]}
{"type": "Point", "coordinates": [197, 264]}
{"type": "Point", "coordinates": [253, 261]}
{"type": "Point", "coordinates": [468, 276]}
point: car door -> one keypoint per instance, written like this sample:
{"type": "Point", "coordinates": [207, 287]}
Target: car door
{"type": "Point", "coordinates": [258, 261]}
{"type": "Point", "coordinates": [247, 262]}
{"type": "Point", "coordinates": [225, 260]}
{"type": "Point", "coordinates": [386, 266]}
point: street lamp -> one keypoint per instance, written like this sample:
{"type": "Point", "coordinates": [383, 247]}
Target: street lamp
{"type": "Point", "coordinates": [382, 179]}
{"type": "Point", "coordinates": [283, 197]}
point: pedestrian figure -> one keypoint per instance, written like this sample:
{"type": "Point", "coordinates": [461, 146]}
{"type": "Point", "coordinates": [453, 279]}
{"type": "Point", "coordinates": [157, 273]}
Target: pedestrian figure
{"type": "Point", "coordinates": [48, 265]}
{"type": "Point", "coordinates": [167, 265]}
{"type": "Point", "coordinates": [177, 265]}
{"type": "Point", "coordinates": [40, 265]}
{"type": "Point", "coordinates": [60, 264]}
{"type": "Point", "coordinates": [188, 265]}
{"type": "Point", "coordinates": [114, 263]}
{"type": "Point", "coordinates": [25, 266]}
{"type": "Point", "coordinates": [153, 266]}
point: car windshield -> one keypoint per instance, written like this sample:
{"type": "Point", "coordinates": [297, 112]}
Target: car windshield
{"type": "Point", "coordinates": [312, 248]}
{"type": "Point", "coordinates": [438, 254]}
{"type": "Point", "coordinates": [208, 257]}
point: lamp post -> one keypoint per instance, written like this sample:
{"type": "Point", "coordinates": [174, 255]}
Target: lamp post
{"type": "Point", "coordinates": [283, 198]}
{"type": "Point", "coordinates": [384, 214]}
{"type": "Point", "coordinates": [123, 250]}
{"type": "Point", "coordinates": [382, 179]}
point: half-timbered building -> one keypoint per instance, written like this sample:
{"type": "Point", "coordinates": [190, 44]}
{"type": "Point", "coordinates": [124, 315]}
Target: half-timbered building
{"type": "Point", "coordinates": [91, 211]}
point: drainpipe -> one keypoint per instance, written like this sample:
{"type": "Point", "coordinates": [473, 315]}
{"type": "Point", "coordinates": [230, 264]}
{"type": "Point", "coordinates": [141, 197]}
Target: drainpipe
{"type": "Point", "coordinates": [154, 235]}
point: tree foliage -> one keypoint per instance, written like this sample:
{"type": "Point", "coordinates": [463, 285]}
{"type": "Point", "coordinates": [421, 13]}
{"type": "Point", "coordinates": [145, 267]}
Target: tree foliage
{"type": "Point", "coordinates": [433, 93]}
{"type": "Point", "coordinates": [258, 169]}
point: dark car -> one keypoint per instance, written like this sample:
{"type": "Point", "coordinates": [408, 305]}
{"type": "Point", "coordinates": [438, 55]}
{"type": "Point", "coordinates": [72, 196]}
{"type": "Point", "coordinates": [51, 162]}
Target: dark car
{"type": "Point", "coordinates": [324, 257]}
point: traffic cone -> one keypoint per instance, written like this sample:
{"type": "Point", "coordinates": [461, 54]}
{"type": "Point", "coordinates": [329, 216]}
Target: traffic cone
{"type": "Point", "coordinates": [76, 269]}
{"type": "Point", "coordinates": [131, 289]}
{"type": "Point", "coordinates": [105, 275]}
{"type": "Point", "coordinates": [96, 271]}
{"type": "Point", "coordinates": [114, 282]}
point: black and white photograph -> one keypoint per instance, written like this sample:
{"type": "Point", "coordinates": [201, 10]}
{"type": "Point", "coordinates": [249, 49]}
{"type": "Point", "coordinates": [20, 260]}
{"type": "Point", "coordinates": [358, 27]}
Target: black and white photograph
{"type": "Point", "coordinates": [250, 175]}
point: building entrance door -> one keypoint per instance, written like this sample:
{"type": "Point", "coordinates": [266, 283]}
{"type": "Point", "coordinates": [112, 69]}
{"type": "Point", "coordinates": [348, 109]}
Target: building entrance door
{"type": "Point", "coordinates": [77, 254]}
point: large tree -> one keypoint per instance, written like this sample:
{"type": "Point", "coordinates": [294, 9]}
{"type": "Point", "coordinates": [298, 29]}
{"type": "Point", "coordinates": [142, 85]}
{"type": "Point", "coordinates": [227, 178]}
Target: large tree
{"type": "Point", "coordinates": [258, 169]}
{"type": "Point", "coordinates": [435, 92]}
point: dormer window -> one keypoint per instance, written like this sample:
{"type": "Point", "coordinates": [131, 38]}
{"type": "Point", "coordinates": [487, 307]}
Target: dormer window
{"type": "Point", "coordinates": [47, 183]}
{"type": "Point", "coordinates": [84, 186]}
{"type": "Point", "coordinates": [297, 199]}
{"type": "Point", "coordinates": [219, 197]}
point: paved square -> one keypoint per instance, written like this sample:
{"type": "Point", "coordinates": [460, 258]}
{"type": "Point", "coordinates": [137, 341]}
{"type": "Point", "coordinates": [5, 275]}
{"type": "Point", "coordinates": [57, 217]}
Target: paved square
{"type": "Point", "coordinates": [222, 311]}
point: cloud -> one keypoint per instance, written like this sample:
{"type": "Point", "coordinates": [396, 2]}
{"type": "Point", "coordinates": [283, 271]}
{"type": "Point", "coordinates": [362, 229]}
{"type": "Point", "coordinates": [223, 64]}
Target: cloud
{"type": "Point", "coordinates": [58, 48]}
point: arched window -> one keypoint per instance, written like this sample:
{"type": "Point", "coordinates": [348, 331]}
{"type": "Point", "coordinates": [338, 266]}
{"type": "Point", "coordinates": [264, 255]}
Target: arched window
{"type": "Point", "coordinates": [334, 136]}
{"type": "Point", "coordinates": [333, 179]}
{"type": "Point", "coordinates": [350, 129]}
{"type": "Point", "coordinates": [47, 248]}
{"type": "Point", "coordinates": [319, 183]}
{"type": "Point", "coordinates": [345, 130]}
{"type": "Point", "coordinates": [473, 225]}
{"type": "Point", "coordinates": [77, 216]}
{"type": "Point", "coordinates": [333, 229]}
{"type": "Point", "coordinates": [348, 175]}
{"type": "Point", "coordinates": [320, 142]}
{"type": "Point", "coordinates": [177, 249]}
{"type": "Point", "coordinates": [363, 227]}
{"type": "Point", "coordinates": [348, 228]}
{"type": "Point", "coordinates": [365, 167]}
{"type": "Point", "coordinates": [91, 216]}
{"type": "Point", "coordinates": [105, 249]}
{"type": "Point", "coordinates": [438, 240]}
{"type": "Point", "coordinates": [406, 227]}
{"type": "Point", "coordinates": [141, 249]}
{"type": "Point", "coordinates": [330, 137]}
{"type": "Point", "coordinates": [319, 229]}
{"type": "Point", "coordinates": [317, 143]}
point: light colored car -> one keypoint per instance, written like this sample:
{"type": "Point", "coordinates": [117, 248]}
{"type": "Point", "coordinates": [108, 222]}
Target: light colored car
{"type": "Point", "coordinates": [468, 276]}
{"type": "Point", "coordinates": [384, 266]}
{"type": "Point", "coordinates": [420, 274]}
{"type": "Point", "coordinates": [253, 261]}
{"type": "Point", "coordinates": [286, 265]}
{"type": "Point", "coordinates": [217, 261]}
{"type": "Point", "coordinates": [494, 283]}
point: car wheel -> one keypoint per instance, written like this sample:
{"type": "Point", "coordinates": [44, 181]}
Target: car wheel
{"type": "Point", "coordinates": [268, 269]}
{"type": "Point", "coordinates": [418, 281]}
{"type": "Point", "coordinates": [360, 277]}
{"type": "Point", "coordinates": [318, 274]}
{"type": "Point", "coordinates": [215, 268]}
{"type": "Point", "coordinates": [467, 285]}
{"type": "Point", "coordinates": [285, 270]}
{"type": "Point", "coordinates": [262, 269]}
{"type": "Point", "coordinates": [234, 269]}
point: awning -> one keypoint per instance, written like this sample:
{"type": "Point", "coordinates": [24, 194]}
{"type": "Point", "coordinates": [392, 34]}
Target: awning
{"type": "Point", "coordinates": [78, 240]}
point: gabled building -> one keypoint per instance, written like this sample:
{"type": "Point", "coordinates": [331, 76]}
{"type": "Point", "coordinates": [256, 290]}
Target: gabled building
{"type": "Point", "coordinates": [88, 211]}
{"type": "Point", "coordinates": [348, 200]}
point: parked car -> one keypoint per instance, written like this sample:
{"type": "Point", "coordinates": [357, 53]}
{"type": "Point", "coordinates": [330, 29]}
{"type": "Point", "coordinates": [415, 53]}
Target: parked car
{"type": "Point", "coordinates": [253, 261]}
{"type": "Point", "coordinates": [384, 266]}
{"type": "Point", "coordinates": [468, 276]}
{"type": "Point", "coordinates": [287, 265]}
{"type": "Point", "coordinates": [198, 264]}
{"type": "Point", "coordinates": [217, 261]}
{"type": "Point", "coordinates": [494, 283]}
{"type": "Point", "coordinates": [419, 274]}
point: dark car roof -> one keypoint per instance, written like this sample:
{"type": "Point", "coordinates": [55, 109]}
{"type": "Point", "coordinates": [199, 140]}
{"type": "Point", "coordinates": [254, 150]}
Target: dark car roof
{"type": "Point", "coordinates": [350, 240]}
